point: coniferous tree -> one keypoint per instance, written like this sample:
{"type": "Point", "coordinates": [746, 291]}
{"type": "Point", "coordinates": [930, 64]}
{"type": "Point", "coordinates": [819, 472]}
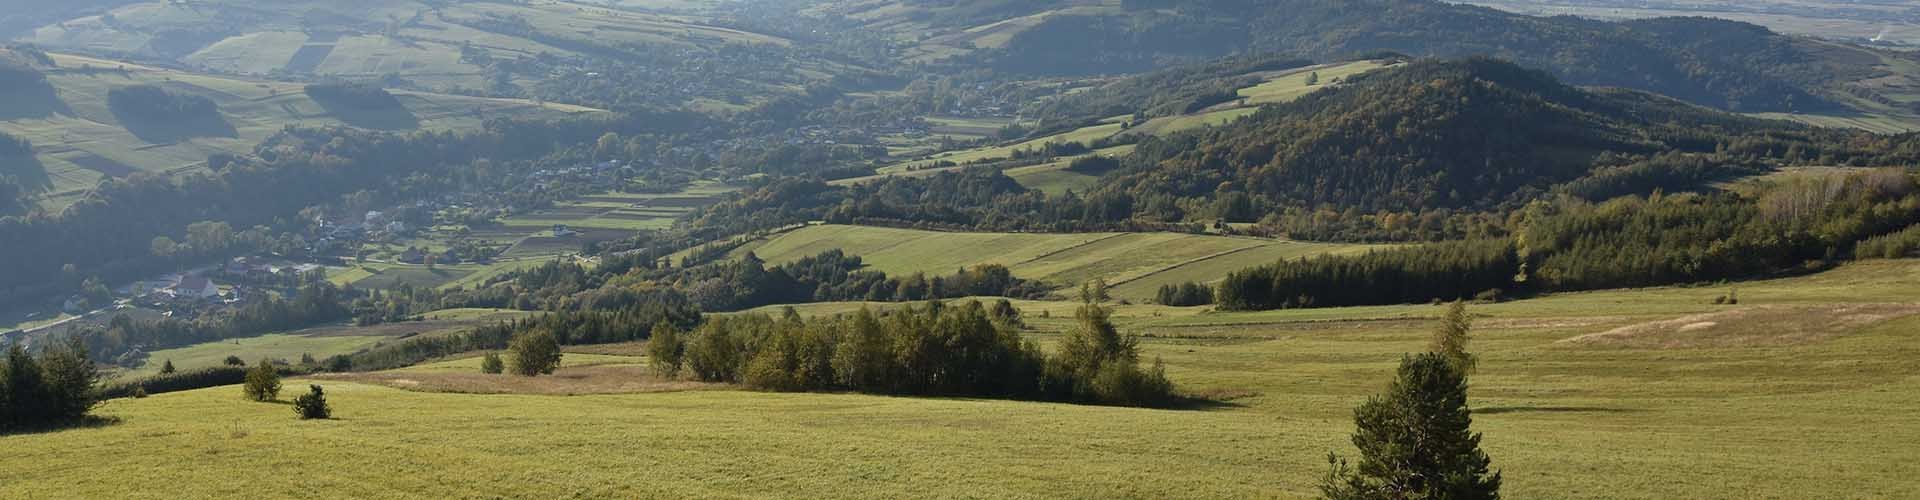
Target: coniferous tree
{"type": "Point", "coordinates": [167, 367]}
{"type": "Point", "coordinates": [1415, 441]}
{"type": "Point", "coordinates": [312, 405]}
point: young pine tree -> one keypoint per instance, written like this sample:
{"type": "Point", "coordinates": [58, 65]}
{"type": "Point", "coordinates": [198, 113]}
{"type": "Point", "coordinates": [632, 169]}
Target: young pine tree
{"type": "Point", "coordinates": [1450, 340]}
{"type": "Point", "coordinates": [263, 382]}
{"type": "Point", "coordinates": [167, 367]}
{"type": "Point", "coordinates": [312, 405]}
{"type": "Point", "coordinates": [666, 348]}
{"type": "Point", "coordinates": [1415, 441]}
{"type": "Point", "coordinates": [535, 353]}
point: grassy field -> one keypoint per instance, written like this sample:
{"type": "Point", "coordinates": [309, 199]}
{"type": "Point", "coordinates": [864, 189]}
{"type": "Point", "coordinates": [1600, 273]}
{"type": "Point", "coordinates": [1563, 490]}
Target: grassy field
{"type": "Point", "coordinates": [79, 140]}
{"type": "Point", "coordinates": [1136, 264]}
{"type": "Point", "coordinates": [319, 342]}
{"type": "Point", "coordinates": [1561, 419]}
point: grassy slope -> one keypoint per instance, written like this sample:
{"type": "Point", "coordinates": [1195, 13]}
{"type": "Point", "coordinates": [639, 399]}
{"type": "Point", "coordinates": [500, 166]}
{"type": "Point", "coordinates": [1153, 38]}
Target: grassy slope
{"type": "Point", "coordinates": [1135, 263]}
{"type": "Point", "coordinates": [81, 140]}
{"type": "Point", "coordinates": [1560, 421]}
{"type": "Point", "coordinates": [319, 341]}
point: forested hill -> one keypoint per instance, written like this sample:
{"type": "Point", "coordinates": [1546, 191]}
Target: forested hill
{"type": "Point", "coordinates": [1724, 64]}
{"type": "Point", "coordinates": [1456, 134]}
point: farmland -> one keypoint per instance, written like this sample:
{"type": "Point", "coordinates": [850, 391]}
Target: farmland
{"type": "Point", "coordinates": [79, 140]}
{"type": "Point", "coordinates": [1136, 264]}
{"type": "Point", "coordinates": [1561, 419]}
{"type": "Point", "coordinates": [318, 342]}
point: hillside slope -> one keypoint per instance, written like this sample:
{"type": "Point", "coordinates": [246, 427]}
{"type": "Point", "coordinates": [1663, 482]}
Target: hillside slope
{"type": "Point", "coordinates": [78, 137]}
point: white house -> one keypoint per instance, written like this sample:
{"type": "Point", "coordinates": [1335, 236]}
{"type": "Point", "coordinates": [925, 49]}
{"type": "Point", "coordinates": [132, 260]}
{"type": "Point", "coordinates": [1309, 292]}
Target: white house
{"type": "Point", "coordinates": [196, 287]}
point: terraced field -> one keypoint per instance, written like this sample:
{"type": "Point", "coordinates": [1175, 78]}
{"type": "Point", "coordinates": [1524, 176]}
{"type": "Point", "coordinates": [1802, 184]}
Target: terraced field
{"type": "Point", "coordinates": [1136, 264]}
{"type": "Point", "coordinates": [1692, 417]}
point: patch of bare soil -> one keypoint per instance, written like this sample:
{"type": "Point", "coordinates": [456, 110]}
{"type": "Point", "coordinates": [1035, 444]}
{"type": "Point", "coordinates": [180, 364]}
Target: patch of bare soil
{"type": "Point", "coordinates": [579, 380]}
{"type": "Point", "coordinates": [1753, 326]}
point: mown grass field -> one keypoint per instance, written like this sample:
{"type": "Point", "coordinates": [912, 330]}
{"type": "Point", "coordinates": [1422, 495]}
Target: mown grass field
{"type": "Point", "coordinates": [1136, 264]}
{"type": "Point", "coordinates": [79, 140]}
{"type": "Point", "coordinates": [1826, 417]}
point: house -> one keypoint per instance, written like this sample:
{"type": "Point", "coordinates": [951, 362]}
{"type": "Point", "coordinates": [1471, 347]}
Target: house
{"type": "Point", "coordinates": [196, 287]}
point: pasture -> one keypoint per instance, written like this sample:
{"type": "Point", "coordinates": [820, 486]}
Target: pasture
{"type": "Point", "coordinates": [1561, 418]}
{"type": "Point", "coordinates": [1135, 264]}
{"type": "Point", "coordinates": [320, 342]}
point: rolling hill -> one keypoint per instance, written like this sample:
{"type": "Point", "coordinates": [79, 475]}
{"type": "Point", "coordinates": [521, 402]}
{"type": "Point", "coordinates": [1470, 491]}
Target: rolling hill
{"type": "Point", "coordinates": [78, 137]}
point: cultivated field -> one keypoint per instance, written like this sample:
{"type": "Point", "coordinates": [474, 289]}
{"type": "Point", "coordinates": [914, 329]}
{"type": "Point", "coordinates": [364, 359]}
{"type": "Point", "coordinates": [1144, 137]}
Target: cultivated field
{"type": "Point", "coordinates": [1136, 264]}
{"type": "Point", "coordinates": [1696, 416]}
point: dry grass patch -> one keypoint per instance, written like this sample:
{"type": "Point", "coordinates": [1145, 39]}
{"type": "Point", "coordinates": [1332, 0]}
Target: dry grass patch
{"type": "Point", "coordinates": [1758, 326]}
{"type": "Point", "coordinates": [571, 381]}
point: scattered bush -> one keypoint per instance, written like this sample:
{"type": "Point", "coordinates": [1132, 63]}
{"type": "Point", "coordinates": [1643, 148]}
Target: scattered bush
{"type": "Point", "coordinates": [491, 364]}
{"type": "Point", "coordinates": [263, 382]}
{"type": "Point", "coordinates": [535, 353]}
{"type": "Point", "coordinates": [234, 361]}
{"type": "Point", "coordinates": [312, 405]}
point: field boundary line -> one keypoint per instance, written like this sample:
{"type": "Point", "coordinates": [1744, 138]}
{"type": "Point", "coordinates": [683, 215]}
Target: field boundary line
{"type": "Point", "coordinates": [1188, 263]}
{"type": "Point", "coordinates": [1069, 248]}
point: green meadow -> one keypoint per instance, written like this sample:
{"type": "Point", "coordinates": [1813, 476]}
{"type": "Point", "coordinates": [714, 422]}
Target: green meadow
{"type": "Point", "coordinates": [1652, 393]}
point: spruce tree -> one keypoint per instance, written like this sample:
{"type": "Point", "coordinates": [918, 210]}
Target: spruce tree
{"type": "Point", "coordinates": [491, 364]}
{"type": "Point", "coordinates": [1450, 340]}
{"type": "Point", "coordinates": [312, 405]}
{"type": "Point", "coordinates": [1415, 441]}
{"type": "Point", "coordinates": [167, 367]}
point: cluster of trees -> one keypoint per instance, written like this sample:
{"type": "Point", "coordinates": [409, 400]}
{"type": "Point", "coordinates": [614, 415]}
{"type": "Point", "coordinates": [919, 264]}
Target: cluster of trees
{"type": "Point", "coordinates": [1629, 241]}
{"type": "Point", "coordinates": [152, 103]}
{"type": "Point", "coordinates": [52, 389]}
{"type": "Point", "coordinates": [1184, 294]}
{"type": "Point", "coordinates": [964, 349]}
{"type": "Point", "coordinates": [125, 341]}
{"type": "Point", "coordinates": [835, 276]}
{"type": "Point", "coordinates": [1439, 271]}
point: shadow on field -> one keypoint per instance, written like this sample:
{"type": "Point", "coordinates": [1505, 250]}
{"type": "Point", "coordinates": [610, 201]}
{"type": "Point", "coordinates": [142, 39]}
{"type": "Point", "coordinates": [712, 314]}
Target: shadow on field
{"type": "Point", "coordinates": [176, 128]}
{"type": "Point", "coordinates": [87, 422]}
{"type": "Point", "coordinates": [27, 170]}
{"type": "Point", "coordinates": [37, 100]}
{"type": "Point", "coordinates": [387, 117]}
{"type": "Point", "coordinates": [1496, 410]}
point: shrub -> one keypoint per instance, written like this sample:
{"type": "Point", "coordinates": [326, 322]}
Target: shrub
{"type": "Point", "coordinates": [263, 382]}
{"type": "Point", "coordinates": [491, 364]}
{"type": "Point", "coordinates": [234, 361]}
{"type": "Point", "coordinates": [535, 353]}
{"type": "Point", "coordinates": [312, 405]}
